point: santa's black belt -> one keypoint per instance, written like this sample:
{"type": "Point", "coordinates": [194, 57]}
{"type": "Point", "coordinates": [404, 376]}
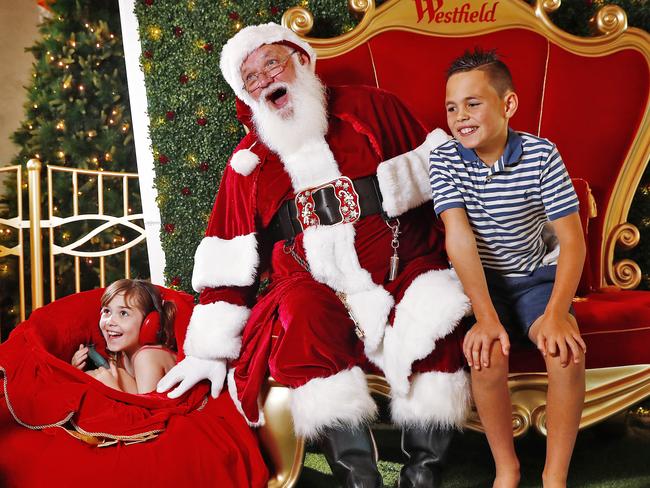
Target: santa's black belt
{"type": "Point", "coordinates": [338, 201]}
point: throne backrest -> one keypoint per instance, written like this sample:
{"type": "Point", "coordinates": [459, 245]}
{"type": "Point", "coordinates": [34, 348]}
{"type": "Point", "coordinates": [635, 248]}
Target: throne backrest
{"type": "Point", "coordinates": [587, 95]}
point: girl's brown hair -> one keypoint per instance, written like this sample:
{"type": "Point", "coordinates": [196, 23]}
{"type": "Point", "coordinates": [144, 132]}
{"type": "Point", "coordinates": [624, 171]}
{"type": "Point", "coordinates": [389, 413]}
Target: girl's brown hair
{"type": "Point", "coordinates": [146, 297]}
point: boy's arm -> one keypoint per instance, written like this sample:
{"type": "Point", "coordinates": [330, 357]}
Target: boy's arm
{"type": "Point", "coordinates": [462, 251]}
{"type": "Point", "coordinates": [555, 333]}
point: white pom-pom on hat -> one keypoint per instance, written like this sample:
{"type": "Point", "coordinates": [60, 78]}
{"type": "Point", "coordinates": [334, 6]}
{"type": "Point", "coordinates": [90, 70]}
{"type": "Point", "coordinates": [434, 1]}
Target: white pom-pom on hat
{"type": "Point", "coordinates": [244, 161]}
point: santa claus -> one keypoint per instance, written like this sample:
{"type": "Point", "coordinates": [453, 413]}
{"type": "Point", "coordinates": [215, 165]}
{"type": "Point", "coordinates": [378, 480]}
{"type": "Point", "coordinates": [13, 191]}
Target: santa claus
{"type": "Point", "coordinates": [320, 196]}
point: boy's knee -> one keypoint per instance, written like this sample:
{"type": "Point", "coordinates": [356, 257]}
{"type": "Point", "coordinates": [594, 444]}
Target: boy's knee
{"type": "Point", "coordinates": [498, 369]}
{"type": "Point", "coordinates": [572, 369]}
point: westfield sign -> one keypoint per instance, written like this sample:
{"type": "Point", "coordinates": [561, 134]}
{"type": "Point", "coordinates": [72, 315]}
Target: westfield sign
{"type": "Point", "coordinates": [435, 11]}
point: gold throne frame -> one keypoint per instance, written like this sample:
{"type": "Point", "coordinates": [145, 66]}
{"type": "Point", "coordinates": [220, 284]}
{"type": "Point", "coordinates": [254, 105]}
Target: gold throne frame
{"type": "Point", "coordinates": [609, 390]}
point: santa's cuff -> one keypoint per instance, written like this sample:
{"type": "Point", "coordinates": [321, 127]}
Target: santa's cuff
{"type": "Point", "coordinates": [404, 179]}
{"type": "Point", "coordinates": [225, 262]}
{"type": "Point", "coordinates": [215, 330]}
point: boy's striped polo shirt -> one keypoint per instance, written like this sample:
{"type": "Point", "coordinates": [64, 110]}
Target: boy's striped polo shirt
{"type": "Point", "coordinates": [507, 204]}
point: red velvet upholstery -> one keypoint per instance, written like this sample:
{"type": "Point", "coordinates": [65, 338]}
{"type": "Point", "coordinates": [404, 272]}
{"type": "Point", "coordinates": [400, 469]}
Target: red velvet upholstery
{"type": "Point", "coordinates": [614, 324]}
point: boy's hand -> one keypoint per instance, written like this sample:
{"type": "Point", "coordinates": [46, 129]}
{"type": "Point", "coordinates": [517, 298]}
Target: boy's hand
{"type": "Point", "coordinates": [479, 339]}
{"type": "Point", "coordinates": [80, 356]}
{"type": "Point", "coordinates": [557, 335]}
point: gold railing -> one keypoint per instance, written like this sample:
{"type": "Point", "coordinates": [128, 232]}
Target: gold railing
{"type": "Point", "coordinates": [54, 223]}
{"type": "Point", "coordinates": [126, 219]}
{"type": "Point", "coordinates": [19, 225]}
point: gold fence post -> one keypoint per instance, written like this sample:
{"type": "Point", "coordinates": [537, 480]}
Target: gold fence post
{"type": "Point", "coordinates": [35, 240]}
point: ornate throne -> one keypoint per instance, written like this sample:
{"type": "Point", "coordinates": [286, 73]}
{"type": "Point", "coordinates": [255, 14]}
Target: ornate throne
{"type": "Point", "coordinates": [588, 95]}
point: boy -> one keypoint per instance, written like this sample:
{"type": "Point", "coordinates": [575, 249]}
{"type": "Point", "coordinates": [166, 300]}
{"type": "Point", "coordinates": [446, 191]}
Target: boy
{"type": "Point", "coordinates": [495, 190]}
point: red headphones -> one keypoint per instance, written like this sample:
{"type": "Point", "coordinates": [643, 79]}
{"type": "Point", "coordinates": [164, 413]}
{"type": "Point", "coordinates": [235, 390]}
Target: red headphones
{"type": "Point", "coordinates": [150, 328]}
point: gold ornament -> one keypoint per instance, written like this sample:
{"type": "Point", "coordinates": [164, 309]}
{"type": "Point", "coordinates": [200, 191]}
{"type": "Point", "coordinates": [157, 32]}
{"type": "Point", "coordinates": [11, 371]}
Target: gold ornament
{"type": "Point", "coordinates": [154, 33]}
{"type": "Point", "coordinates": [192, 160]}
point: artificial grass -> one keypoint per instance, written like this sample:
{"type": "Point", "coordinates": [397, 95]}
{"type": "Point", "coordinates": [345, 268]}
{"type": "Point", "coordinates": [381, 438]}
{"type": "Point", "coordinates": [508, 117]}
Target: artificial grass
{"type": "Point", "coordinates": [608, 456]}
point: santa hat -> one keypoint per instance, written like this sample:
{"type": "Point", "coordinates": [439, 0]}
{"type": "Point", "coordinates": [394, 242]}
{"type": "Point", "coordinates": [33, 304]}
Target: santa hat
{"type": "Point", "coordinates": [237, 49]}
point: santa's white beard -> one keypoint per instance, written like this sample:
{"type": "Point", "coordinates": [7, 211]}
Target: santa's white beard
{"type": "Point", "coordinates": [302, 120]}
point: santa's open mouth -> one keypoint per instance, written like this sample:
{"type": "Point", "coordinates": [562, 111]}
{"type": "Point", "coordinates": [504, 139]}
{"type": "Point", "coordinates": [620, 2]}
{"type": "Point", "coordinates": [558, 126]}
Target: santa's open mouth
{"type": "Point", "coordinates": [278, 97]}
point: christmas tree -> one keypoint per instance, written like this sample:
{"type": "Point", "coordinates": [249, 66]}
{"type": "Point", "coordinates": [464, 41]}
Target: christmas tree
{"type": "Point", "coordinates": [76, 115]}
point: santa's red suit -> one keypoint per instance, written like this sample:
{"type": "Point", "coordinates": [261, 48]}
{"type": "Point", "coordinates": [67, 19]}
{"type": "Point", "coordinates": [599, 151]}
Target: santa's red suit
{"type": "Point", "coordinates": [299, 331]}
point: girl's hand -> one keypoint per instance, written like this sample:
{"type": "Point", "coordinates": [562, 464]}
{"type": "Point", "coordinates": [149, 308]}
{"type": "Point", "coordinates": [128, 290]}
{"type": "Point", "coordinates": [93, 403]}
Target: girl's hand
{"type": "Point", "coordinates": [79, 358]}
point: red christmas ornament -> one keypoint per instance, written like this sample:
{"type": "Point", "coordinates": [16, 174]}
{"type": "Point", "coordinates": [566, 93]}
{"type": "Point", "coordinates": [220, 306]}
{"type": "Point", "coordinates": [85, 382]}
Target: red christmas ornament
{"type": "Point", "coordinates": [204, 166]}
{"type": "Point", "coordinates": [169, 228]}
{"type": "Point", "coordinates": [162, 159]}
{"type": "Point", "coordinates": [176, 281]}
{"type": "Point", "coordinates": [201, 121]}
{"type": "Point", "coordinates": [233, 16]}
{"type": "Point", "coordinates": [178, 32]}
{"type": "Point", "coordinates": [207, 47]}
{"type": "Point", "coordinates": [171, 115]}
{"type": "Point", "coordinates": [274, 10]}
{"type": "Point", "coordinates": [186, 191]}
{"type": "Point", "coordinates": [148, 3]}
{"type": "Point", "coordinates": [183, 79]}
{"type": "Point", "coordinates": [148, 54]}
{"type": "Point", "coordinates": [222, 97]}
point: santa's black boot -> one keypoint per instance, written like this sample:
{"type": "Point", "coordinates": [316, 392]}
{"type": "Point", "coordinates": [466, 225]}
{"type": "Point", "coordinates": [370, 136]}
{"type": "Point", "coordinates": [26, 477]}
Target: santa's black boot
{"type": "Point", "coordinates": [426, 449]}
{"type": "Point", "coordinates": [352, 455]}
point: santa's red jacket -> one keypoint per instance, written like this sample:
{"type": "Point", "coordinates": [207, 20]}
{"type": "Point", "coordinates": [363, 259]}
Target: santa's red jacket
{"type": "Point", "coordinates": [298, 329]}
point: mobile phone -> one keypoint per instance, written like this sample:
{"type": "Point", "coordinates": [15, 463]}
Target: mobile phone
{"type": "Point", "coordinates": [97, 359]}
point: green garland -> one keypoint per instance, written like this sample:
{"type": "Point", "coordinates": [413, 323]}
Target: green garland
{"type": "Point", "coordinates": [192, 110]}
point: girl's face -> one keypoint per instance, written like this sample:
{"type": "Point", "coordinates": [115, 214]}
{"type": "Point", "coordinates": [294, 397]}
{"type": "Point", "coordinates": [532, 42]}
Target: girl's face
{"type": "Point", "coordinates": [120, 325]}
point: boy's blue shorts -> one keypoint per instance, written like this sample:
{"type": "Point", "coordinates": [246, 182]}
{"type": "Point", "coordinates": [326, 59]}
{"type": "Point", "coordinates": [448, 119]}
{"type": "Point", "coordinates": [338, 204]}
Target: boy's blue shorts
{"type": "Point", "coordinates": [520, 300]}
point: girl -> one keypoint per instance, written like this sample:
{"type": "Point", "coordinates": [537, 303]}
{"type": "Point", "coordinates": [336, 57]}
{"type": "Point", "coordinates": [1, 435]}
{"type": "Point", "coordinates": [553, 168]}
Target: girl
{"type": "Point", "coordinates": [138, 328]}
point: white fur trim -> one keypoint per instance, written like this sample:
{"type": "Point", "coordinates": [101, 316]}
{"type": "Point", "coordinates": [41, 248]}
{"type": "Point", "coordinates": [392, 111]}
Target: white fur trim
{"type": "Point", "coordinates": [214, 331]}
{"type": "Point", "coordinates": [333, 261]}
{"type": "Point", "coordinates": [430, 309]}
{"type": "Point", "coordinates": [244, 161]}
{"type": "Point", "coordinates": [370, 309]}
{"type": "Point", "coordinates": [435, 399]}
{"type": "Point", "coordinates": [225, 262]}
{"type": "Point", "coordinates": [232, 389]}
{"type": "Point", "coordinates": [333, 258]}
{"type": "Point", "coordinates": [238, 47]}
{"type": "Point", "coordinates": [404, 179]}
{"type": "Point", "coordinates": [311, 164]}
{"type": "Point", "coordinates": [339, 400]}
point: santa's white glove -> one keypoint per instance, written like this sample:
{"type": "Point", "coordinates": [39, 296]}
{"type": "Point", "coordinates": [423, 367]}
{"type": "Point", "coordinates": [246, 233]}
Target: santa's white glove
{"type": "Point", "coordinates": [189, 372]}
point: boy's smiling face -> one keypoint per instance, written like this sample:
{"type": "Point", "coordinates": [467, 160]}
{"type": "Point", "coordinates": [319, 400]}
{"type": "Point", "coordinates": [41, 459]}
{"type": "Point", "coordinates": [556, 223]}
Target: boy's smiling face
{"type": "Point", "coordinates": [477, 115]}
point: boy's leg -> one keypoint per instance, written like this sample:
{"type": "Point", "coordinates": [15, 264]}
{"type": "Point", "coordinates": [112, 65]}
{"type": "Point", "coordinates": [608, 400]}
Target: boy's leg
{"type": "Point", "coordinates": [492, 399]}
{"type": "Point", "coordinates": [566, 385]}
{"type": "Point", "coordinates": [564, 404]}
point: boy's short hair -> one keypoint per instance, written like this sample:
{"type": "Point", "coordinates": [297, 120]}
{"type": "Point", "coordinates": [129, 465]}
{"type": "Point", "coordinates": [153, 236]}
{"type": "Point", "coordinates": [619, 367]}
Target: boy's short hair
{"type": "Point", "coordinates": [487, 61]}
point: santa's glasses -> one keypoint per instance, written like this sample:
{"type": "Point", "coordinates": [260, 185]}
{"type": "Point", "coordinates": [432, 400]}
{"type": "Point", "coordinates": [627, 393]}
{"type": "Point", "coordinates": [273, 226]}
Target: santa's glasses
{"type": "Point", "coordinates": [272, 68]}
